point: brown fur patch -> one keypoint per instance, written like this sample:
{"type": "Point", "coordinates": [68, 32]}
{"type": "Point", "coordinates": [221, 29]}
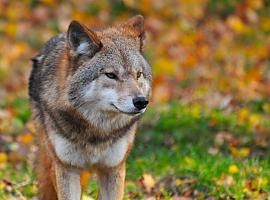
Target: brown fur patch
{"type": "Point", "coordinates": [74, 127]}
{"type": "Point", "coordinates": [46, 174]}
{"type": "Point", "coordinates": [63, 70]}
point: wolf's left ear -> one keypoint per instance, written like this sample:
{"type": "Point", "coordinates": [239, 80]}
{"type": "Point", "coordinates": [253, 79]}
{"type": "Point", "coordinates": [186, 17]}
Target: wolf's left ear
{"type": "Point", "coordinates": [82, 40]}
{"type": "Point", "coordinates": [136, 25]}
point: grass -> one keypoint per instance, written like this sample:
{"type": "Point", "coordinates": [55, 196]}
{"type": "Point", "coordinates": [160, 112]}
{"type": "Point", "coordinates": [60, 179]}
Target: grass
{"type": "Point", "coordinates": [187, 150]}
{"type": "Point", "coordinates": [177, 145]}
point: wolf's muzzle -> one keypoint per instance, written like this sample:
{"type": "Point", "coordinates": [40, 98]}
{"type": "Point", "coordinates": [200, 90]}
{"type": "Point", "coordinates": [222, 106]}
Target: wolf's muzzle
{"type": "Point", "coordinates": [140, 102]}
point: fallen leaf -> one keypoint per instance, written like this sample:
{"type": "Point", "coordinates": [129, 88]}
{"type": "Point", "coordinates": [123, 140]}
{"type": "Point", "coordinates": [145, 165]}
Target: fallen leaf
{"type": "Point", "coordinates": [25, 138]}
{"type": "Point", "coordinates": [236, 24]}
{"type": "Point", "coordinates": [213, 150]}
{"type": "Point", "coordinates": [86, 197]}
{"type": "Point", "coordinates": [3, 157]}
{"type": "Point", "coordinates": [226, 180]}
{"type": "Point", "coordinates": [148, 182]}
{"type": "Point", "coordinates": [85, 177]}
{"type": "Point", "coordinates": [233, 169]}
{"type": "Point", "coordinates": [240, 153]}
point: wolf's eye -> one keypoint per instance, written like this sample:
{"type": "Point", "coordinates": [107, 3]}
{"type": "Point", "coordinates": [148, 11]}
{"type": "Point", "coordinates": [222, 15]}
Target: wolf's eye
{"type": "Point", "coordinates": [111, 75]}
{"type": "Point", "coordinates": [139, 74]}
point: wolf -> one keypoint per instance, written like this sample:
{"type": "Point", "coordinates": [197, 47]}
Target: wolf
{"type": "Point", "coordinates": [88, 90]}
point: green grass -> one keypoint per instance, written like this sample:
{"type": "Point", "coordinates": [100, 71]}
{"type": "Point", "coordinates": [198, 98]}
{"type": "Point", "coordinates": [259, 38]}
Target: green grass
{"type": "Point", "coordinates": [17, 181]}
{"type": "Point", "coordinates": [172, 145]}
{"type": "Point", "coordinates": [176, 145]}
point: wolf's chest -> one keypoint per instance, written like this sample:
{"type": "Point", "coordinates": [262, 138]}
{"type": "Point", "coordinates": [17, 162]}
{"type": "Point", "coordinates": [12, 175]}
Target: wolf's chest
{"type": "Point", "coordinates": [108, 155]}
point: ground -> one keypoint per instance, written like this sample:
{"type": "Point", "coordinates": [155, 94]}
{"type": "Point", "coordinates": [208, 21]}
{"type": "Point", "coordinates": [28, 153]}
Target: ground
{"type": "Point", "coordinates": [181, 151]}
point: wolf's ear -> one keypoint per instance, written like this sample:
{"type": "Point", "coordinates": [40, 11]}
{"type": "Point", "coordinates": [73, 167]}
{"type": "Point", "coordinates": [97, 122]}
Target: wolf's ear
{"type": "Point", "coordinates": [82, 40]}
{"type": "Point", "coordinates": [136, 25]}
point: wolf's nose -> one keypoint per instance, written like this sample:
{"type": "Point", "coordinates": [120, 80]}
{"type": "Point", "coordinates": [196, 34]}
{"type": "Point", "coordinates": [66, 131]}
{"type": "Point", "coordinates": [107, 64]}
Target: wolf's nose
{"type": "Point", "coordinates": [140, 102]}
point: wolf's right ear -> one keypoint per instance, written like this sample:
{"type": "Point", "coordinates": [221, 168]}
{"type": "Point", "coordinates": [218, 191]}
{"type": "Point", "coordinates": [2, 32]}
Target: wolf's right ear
{"type": "Point", "coordinates": [82, 40]}
{"type": "Point", "coordinates": [136, 25]}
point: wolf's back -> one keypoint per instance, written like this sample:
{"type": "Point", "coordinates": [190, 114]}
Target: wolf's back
{"type": "Point", "coordinates": [44, 66]}
{"type": "Point", "coordinates": [43, 72]}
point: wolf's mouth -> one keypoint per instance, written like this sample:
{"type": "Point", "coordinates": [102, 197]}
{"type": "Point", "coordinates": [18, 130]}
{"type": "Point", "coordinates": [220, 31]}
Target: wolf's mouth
{"type": "Point", "coordinates": [127, 113]}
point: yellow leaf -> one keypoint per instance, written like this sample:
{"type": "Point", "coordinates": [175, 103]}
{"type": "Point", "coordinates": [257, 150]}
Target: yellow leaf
{"type": "Point", "coordinates": [236, 24]}
{"type": "Point", "coordinates": [2, 185]}
{"type": "Point", "coordinates": [243, 115]}
{"type": "Point", "coordinates": [11, 14]}
{"type": "Point", "coordinates": [261, 182]}
{"type": "Point", "coordinates": [244, 152]}
{"type": "Point", "coordinates": [11, 29]}
{"type": "Point", "coordinates": [188, 39]}
{"type": "Point", "coordinates": [233, 169]}
{"type": "Point", "coordinates": [254, 120]}
{"type": "Point", "coordinates": [165, 66]}
{"type": "Point", "coordinates": [266, 107]}
{"type": "Point", "coordinates": [265, 24]}
{"type": "Point", "coordinates": [178, 182]}
{"type": "Point", "coordinates": [3, 157]}
{"type": "Point", "coordinates": [195, 111]}
{"type": "Point", "coordinates": [86, 197]}
{"type": "Point", "coordinates": [189, 161]}
{"type": "Point", "coordinates": [148, 182]}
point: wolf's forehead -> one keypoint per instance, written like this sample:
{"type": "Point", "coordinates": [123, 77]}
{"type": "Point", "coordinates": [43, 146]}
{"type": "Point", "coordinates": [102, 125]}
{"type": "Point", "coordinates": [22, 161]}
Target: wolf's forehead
{"type": "Point", "coordinates": [131, 58]}
{"type": "Point", "coordinates": [122, 51]}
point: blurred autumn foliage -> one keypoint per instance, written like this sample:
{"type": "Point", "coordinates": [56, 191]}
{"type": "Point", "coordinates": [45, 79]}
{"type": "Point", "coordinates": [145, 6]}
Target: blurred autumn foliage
{"type": "Point", "coordinates": [209, 54]}
{"type": "Point", "coordinates": [208, 50]}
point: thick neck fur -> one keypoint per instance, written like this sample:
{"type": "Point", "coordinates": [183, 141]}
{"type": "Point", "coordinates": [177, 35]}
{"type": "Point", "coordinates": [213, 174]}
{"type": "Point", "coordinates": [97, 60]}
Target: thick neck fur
{"type": "Point", "coordinates": [73, 126]}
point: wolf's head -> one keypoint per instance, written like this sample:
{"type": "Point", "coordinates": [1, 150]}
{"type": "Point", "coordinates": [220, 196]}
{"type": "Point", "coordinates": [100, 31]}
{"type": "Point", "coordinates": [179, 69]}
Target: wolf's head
{"type": "Point", "coordinates": [111, 78]}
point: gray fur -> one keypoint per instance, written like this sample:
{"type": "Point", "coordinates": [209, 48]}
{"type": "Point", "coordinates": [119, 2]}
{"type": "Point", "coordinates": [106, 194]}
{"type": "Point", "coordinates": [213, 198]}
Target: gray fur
{"type": "Point", "coordinates": [87, 118]}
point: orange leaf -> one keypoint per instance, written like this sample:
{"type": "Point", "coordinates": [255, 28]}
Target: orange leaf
{"type": "Point", "coordinates": [25, 138]}
{"type": "Point", "coordinates": [85, 176]}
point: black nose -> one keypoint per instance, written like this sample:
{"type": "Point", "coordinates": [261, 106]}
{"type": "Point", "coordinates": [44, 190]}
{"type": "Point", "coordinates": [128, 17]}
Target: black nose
{"type": "Point", "coordinates": [140, 102]}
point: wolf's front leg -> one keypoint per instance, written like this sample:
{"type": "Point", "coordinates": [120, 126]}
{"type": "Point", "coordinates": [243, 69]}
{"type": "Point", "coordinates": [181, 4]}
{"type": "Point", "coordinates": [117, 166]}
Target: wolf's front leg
{"type": "Point", "coordinates": [111, 182]}
{"type": "Point", "coordinates": [68, 185]}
